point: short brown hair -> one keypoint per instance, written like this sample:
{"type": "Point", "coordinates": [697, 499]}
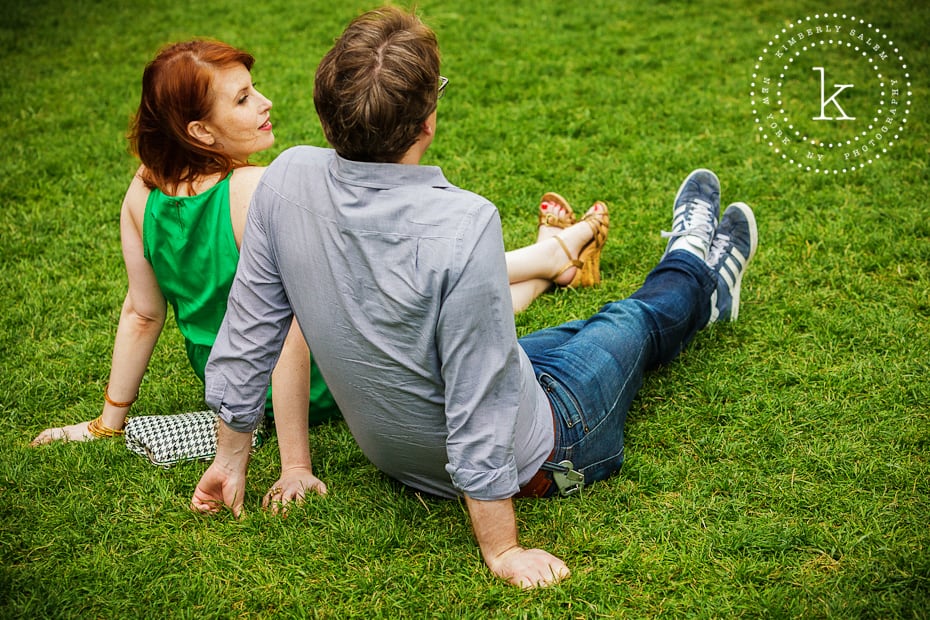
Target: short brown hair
{"type": "Point", "coordinates": [176, 91]}
{"type": "Point", "coordinates": [377, 85]}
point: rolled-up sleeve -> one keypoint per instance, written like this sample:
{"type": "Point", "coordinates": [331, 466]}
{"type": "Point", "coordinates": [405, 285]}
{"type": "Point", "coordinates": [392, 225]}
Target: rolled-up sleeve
{"type": "Point", "coordinates": [480, 366]}
{"type": "Point", "coordinates": [252, 333]}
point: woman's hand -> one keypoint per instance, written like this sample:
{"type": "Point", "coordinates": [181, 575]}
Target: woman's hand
{"type": "Point", "coordinates": [292, 486]}
{"type": "Point", "coordinates": [75, 432]}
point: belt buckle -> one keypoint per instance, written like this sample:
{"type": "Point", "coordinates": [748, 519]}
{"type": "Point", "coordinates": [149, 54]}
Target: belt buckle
{"type": "Point", "coordinates": [566, 477]}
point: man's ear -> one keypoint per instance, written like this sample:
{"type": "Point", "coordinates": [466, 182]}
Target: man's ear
{"type": "Point", "coordinates": [198, 131]}
{"type": "Point", "coordinates": [428, 128]}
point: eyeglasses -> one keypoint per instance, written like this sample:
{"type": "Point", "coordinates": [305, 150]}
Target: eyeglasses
{"type": "Point", "coordinates": [442, 87]}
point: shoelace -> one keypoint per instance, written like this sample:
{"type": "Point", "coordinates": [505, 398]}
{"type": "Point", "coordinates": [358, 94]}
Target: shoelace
{"type": "Point", "coordinates": [718, 248]}
{"type": "Point", "coordinates": [699, 220]}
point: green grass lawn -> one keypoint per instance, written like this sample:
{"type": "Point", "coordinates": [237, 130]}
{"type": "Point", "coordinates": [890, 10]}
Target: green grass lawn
{"type": "Point", "coordinates": [778, 469]}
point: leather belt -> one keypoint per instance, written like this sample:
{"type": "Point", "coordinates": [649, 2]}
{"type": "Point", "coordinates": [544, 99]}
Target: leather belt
{"type": "Point", "coordinates": [538, 486]}
{"type": "Point", "coordinates": [563, 475]}
{"type": "Point", "coordinates": [541, 482]}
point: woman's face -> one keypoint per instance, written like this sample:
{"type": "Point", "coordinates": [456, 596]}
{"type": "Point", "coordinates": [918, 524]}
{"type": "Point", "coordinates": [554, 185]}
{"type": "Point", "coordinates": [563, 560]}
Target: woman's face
{"type": "Point", "coordinates": [240, 121]}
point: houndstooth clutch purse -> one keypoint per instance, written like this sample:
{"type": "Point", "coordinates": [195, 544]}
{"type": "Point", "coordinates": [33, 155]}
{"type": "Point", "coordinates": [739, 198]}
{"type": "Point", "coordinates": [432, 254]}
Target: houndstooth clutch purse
{"type": "Point", "coordinates": [166, 440]}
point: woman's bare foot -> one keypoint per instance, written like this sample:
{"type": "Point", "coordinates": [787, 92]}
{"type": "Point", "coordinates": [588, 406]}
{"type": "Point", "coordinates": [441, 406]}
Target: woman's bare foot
{"type": "Point", "coordinates": [546, 231]}
{"type": "Point", "coordinates": [554, 216]}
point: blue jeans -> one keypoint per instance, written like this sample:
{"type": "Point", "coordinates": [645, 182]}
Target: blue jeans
{"type": "Point", "coordinates": [592, 369]}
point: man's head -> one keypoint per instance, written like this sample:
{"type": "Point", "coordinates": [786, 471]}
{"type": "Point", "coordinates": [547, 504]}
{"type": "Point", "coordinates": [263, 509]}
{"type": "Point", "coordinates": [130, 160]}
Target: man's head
{"type": "Point", "coordinates": [377, 86]}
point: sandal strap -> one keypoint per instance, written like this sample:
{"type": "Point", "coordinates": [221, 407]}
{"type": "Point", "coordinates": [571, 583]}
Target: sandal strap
{"type": "Point", "coordinates": [600, 224]}
{"type": "Point", "coordinates": [572, 262]}
{"type": "Point", "coordinates": [551, 219]}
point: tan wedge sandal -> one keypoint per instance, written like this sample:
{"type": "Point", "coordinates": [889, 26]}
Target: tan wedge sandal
{"type": "Point", "coordinates": [588, 262]}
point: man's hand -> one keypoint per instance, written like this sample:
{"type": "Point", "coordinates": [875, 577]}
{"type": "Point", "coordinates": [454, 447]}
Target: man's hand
{"type": "Point", "coordinates": [292, 486]}
{"type": "Point", "coordinates": [528, 568]}
{"type": "Point", "coordinates": [218, 488]}
{"type": "Point", "coordinates": [496, 530]}
{"type": "Point", "coordinates": [223, 484]}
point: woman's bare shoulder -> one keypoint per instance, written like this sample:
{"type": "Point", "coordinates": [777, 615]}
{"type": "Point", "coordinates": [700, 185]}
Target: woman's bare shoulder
{"type": "Point", "coordinates": [137, 194]}
{"type": "Point", "coordinates": [244, 181]}
{"type": "Point", "coordinates": [248, 175]}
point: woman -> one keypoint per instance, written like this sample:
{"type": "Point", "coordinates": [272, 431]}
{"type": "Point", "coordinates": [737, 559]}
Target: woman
{"type": "Point", "coordinates": [199, 121]}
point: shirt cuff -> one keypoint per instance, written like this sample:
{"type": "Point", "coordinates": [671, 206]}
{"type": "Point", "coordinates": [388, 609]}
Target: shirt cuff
{"type": "Point", "coordinates": [486, 485]}
{"type": "Point", "coordinates": [243, 422]}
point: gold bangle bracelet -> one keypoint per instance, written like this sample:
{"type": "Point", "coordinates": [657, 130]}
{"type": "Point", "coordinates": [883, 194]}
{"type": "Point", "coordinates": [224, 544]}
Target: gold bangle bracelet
{"type": "Point", "coordinates": [98, 429]}
{"type": "Point", "coordinates": [106, 397]}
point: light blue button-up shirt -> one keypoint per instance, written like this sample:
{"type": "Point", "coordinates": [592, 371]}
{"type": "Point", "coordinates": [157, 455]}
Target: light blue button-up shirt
{"type": "Point", "coordinates": [398, 281]}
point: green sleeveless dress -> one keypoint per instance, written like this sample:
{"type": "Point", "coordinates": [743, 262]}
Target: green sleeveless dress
{"type": "Point", "coordinates": [189, 242]}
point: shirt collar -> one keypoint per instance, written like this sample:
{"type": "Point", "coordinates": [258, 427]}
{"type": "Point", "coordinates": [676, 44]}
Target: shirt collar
{"type": "Point", "coordinates": [386, 176]}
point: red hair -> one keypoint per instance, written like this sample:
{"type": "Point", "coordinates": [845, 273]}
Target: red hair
{"type": "Point", "coordinates": [176, 91]}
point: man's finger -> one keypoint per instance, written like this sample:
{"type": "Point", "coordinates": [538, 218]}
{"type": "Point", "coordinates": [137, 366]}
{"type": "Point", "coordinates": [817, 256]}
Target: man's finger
{"type": "Point", "coordinates": [198, 505]}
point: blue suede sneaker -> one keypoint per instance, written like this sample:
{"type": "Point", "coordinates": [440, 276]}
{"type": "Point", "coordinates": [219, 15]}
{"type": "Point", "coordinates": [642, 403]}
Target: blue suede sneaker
{"type": "Point", "coordinates": [733, 247]}
{"type": "Point", "coordinates": [694, 221]}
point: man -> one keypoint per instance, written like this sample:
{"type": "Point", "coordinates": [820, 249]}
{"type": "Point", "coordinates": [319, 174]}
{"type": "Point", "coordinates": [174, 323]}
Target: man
{"type": "Point", "coordinates": [397, 279]}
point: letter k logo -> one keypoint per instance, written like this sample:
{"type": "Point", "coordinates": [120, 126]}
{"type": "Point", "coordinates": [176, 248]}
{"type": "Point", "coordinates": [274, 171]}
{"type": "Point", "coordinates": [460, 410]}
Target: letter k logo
{"type": "Point", "coordinates": [824, 102]}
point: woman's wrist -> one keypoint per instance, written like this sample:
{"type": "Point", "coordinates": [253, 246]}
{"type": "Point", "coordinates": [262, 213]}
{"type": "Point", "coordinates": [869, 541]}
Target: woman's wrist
{"type": "Point", "coordinates": [98, 429]}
